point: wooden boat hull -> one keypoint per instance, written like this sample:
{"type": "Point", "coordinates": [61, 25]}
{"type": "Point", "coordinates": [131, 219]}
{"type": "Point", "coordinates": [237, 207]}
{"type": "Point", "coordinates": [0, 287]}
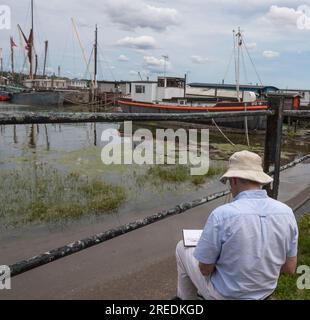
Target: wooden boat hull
{"type": "Point", "coordinates": [253, 122]}
{"type": "Point", "coordinates": [43, 99]}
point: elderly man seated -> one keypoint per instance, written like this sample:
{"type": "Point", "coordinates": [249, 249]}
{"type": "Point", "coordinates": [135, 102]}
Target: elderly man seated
{"type": "Point", "coordinates": [245, 244]}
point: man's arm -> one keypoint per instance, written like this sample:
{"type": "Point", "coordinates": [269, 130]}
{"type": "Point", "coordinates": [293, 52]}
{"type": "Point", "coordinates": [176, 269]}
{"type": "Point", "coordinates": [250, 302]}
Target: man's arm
{"type": "Point", "coordinates": [289, 266]}
{"type": "Point", "coordinates": [206, 269]}
{"type": "Point", "coordinates": [209, 246]}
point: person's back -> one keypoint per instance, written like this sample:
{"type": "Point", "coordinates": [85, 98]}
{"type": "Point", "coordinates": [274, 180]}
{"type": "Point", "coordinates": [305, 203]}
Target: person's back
{"type": "Point", "coordinates": [255, 234]}
{"type": "Point", "coordinates": [245, 244]}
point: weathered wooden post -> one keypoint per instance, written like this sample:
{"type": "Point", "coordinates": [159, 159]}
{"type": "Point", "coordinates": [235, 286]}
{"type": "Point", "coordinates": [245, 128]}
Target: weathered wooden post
{"type": "Point", "coordinates": [273, 142]}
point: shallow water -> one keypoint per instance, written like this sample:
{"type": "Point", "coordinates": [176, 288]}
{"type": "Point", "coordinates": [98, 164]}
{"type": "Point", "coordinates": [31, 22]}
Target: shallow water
{"type": "Point", "coordinates": [77, 147]}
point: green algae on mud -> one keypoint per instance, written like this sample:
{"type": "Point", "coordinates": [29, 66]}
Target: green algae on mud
{"type": "Point", "coordinates": [45, 194]}
{"type": "Point", "coordinates": [88, 161]}
{"type": "Point", "coordinates": [225, 150]}
{"type": "Point", "coordinates": [181, 173]}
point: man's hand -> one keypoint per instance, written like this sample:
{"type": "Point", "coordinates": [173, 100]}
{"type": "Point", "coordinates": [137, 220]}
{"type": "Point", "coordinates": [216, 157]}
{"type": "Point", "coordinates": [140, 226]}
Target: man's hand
{"type": "Point", "coordinates": [206, 269]}
{"type": "Point", "coordinates": [290, 266]}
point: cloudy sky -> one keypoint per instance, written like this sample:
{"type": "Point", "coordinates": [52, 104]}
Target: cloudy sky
{"type": "Point", "coordinates": [196, 35]}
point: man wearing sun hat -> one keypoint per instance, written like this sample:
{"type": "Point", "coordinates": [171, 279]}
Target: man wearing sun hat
{"type": "Point", "coordinates": [245, 244]}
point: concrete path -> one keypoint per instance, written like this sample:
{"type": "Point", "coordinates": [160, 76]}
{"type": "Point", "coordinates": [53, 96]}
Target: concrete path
{"type": "Point", "coordinates": [138, 265]}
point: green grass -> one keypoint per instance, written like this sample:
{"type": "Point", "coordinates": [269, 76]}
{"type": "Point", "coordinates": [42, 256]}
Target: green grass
{"type": "Point", "coordinates": [287, 287]}
{"type": "Point", "coordinates": [171, 173]}
{"type": "Point", "coordinates": [213, 171]}
{"type": "Point", "coordinates": [181, 173]}
{"type": "Point", "coordinates": [45, 194]}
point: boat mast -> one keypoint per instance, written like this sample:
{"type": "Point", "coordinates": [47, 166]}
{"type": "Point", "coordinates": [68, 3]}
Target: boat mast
{"type": "Point", "coordinates": [1, 61]}
{"type": "Point", "coordinates": [31, 44]}
{"type": "Point", "coordinates": [12, 44]}
{"type": "Point", "coordinates": [95, 56]}
{"type": "Point", "coordinates": [95, 63]}
{"type": "Point", "coordinates": [239, 43]}
{"type": "Point", "coordinates": [45, 57]}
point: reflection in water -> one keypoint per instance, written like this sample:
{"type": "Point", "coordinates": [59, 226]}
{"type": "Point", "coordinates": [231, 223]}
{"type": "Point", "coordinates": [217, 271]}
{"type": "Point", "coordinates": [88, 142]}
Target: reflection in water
{"type": "Point", "coordinates": [46, 137]}
{"type": "Point", "coordinates": [15, 140]}
{"type": "Point", "coordinates": [95, 134]}
{"type": "Point", "coordinates": [31, 136]}
{"type": "Point", "coordinates": [76, 148]}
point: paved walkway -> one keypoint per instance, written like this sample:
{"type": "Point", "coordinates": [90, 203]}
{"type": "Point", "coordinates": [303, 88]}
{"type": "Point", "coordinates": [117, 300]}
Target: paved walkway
{"type": "Point", "coordinates": [138, 265]}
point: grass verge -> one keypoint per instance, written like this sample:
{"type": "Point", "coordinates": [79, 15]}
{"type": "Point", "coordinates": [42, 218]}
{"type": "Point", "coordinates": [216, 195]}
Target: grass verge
{"type": "Point", "coordinates": [287, 285]}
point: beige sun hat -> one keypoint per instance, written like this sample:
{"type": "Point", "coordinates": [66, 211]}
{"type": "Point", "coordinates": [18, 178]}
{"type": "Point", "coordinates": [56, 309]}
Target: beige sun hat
{"type": "Point", "coordinates": [246, 165]}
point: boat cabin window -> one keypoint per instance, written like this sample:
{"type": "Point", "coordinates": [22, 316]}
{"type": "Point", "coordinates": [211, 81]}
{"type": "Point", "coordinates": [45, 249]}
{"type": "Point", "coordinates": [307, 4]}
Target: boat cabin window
{"type": "Point", "coordinates": [171, 82]}
{"type": "Point", "coordinates": [140, 89]}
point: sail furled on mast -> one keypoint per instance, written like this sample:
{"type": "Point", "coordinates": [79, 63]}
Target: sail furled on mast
{"type": "Point", "coordinates": [28, 46]}
{"type": "Point", "coordinates": [12, 45]}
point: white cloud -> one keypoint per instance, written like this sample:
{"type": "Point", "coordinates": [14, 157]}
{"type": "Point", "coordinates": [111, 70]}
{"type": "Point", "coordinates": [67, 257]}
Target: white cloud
{"type": "Point", "coordinates": [268, 54]}
{"type": "Point", "coordinates": [155, 64]}
{"type": "Point", "coordinates": [133, 73]}
{"type": "Point", "coordinates": [144, 74]}
{"type": "Point", "coordinates": [199, 60]}
{"type": "Point", "coordinates": [142, 42]}
{"type": "Point", "coordinates": [283, 16]}
{"type": "Point", "coordinates": [251, 45]}
{"type": "Point", "coordinates": [136, 13]}
{"type": "Point", "coordinates": [123, 58]}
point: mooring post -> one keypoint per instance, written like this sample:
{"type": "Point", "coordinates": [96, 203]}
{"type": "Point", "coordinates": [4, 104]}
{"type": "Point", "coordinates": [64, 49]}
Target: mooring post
{"type": "Point", "coordinates": [273, 143]}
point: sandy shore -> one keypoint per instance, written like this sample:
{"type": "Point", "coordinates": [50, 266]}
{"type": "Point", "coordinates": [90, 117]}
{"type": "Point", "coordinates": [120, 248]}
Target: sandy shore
{"type": "Point", "coordinates": [138, 265]}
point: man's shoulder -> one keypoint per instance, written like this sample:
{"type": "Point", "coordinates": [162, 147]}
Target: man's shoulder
{"type": "Point", "coordinates": [226, 210]}
{"type": "Point", "coordinates": [280, 206]}
{"type": "Point", "coordinates": [237, 207]}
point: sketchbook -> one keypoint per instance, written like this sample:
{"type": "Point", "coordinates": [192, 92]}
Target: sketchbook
{"type": "Point", "coordinates": [191, 237]}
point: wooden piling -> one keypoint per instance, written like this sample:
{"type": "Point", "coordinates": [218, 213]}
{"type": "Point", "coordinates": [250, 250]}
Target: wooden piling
{"type": "Point", "coordinates": [12, 118]}
{"type": "Point", "coordinates": [273, 143]}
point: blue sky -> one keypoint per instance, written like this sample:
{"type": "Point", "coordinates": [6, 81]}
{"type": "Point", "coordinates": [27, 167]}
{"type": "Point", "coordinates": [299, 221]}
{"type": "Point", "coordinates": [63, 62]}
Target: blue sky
{"type": "Point", "coordinates": [195, 34]}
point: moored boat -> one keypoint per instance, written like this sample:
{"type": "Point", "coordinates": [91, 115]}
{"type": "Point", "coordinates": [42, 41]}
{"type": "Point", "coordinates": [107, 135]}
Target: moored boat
{"type": "Point", "coordinates": [4, 96]}
{"type": "Point", "coordinates": [37, 98]}
{"type": "Point", "coordinates": [168, 95]}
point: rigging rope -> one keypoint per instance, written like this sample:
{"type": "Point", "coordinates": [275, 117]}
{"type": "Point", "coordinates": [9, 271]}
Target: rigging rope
{"type": "Point", "coordinates": [229, 63]}
{"type": "Point", "coordinates": [244, 66]}
{"type": "Point", "coordinates": [88, 63]}
{"type": "Point", "coordinates": [254, 67]}
{"type": "Point", "coordinates": [106, 62]}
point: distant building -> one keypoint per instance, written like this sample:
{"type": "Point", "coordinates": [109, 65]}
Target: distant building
{"type": "Point", "coordinates": [291, 99]}
{"type": "Point", "coordinates": [4, 81]}
{"type": "Point", "coordinates": [166, 88]}
{"type": "Point", "coordinates": [55, 83]}
{"type": "Point", "coordinates": [123, 87]}
{"type": "Point", "coordinates": [304, 95]}
{"type": "Point", "coordinates": [77, 84]}
{"type": "Point", "coordinates": [227, 90]}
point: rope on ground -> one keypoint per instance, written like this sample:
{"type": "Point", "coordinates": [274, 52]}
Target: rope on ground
{"type": "Point", "coordinates": [221, 131]}
{"type": "Point", "coordinates": [246, 129]}
{"type": "Point", "coordinates": [53, 255]}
